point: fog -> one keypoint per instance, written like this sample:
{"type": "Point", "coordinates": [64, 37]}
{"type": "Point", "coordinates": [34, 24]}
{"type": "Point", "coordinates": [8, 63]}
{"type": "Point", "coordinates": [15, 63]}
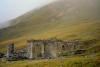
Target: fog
{"type": "Point", "coordinates": [10, 9]}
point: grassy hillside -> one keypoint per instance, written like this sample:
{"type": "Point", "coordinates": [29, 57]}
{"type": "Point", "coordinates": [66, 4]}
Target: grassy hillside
{"type": "Point", "coordinates": [68, 62]}
{"type": "Point", "coordinates": [64, 19]}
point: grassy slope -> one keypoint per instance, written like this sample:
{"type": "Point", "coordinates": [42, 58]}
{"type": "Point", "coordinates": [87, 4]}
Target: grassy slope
{"type": "Point", "coordinates": [64, 20]}
{"type": "Point", "coordinates": [68, 62]}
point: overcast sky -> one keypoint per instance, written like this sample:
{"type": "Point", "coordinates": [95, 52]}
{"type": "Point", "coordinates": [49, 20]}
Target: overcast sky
{"type": "Point", "coordinates": [10, 9]}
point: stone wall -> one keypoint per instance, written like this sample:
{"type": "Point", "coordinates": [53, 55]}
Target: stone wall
{"type": "Point", "coordinates": [50, 48]}
{"type": "Point", "coordinates": [10, 51]}
{"type": "Point", "coordinates": [37, 49]}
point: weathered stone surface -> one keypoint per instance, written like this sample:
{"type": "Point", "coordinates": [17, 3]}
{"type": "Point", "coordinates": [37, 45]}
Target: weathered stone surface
{"type": "Point", "coordinates": [10, 51]}
{"type": "Point", "coordinates": [38, 49]}
{"type": "Point", "coordinates": [50, 48]}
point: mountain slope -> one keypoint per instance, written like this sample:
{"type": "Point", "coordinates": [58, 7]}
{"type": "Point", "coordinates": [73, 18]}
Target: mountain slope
{"type": "Point", "coordinates": [64, 19]}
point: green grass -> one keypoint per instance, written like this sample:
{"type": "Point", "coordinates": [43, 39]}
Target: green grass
{"type": "Point", "coordinates": [65, 62]}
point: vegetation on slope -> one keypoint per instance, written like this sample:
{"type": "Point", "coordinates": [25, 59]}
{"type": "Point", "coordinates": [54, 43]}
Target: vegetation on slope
{"type": "Point", "coordinates": [68, 62]}
{"type": "Point", "coordinates": [63, 19]}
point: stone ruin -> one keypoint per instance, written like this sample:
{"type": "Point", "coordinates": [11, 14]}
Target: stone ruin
{"type": "Point", "coordinates": [10, 51]}
{"type": "Point", "coordinates": [50, 48]}
{"type": "Point", "coordinates": [44, 49]}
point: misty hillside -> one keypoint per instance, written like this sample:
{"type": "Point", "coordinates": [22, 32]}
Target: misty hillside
{"type": "Point", "coordinates": [63, 19]}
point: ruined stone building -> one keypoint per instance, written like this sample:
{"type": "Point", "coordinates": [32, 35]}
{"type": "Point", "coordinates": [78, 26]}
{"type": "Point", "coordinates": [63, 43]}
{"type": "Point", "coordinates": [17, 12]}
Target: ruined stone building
{"type": "Point", "coordinates": [22, 54]}
{"type": "Point", "coordinates": [42, 49]}
{"type": "Point", "coordinates": [10, 51]}
{"type": "Point", "coordinates": [49, 48]}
